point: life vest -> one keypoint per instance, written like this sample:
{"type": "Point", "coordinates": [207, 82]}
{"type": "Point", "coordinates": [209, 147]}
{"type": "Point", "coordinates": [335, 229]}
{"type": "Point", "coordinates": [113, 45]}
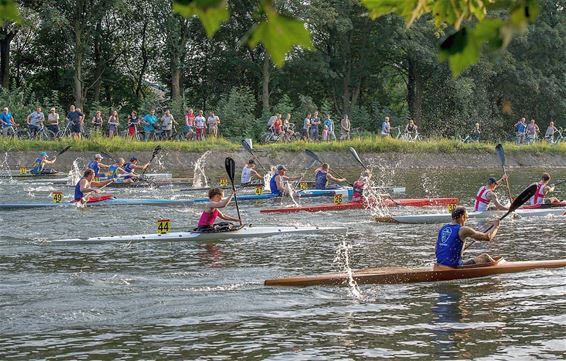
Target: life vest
{"type": "Point", "coordinates": [449, 246]}
{"type": "Point", "coordinates": [481, 200]}
{"type": "Point", "coordinates": [538, 197]}
{"type": "Point", "coordinates": [37, 166]}
{"type": "Point", "coordinates": [246, 175]}
{"type": "Point", "coordinates": [78, 193]}
{"type": "Point", "coordinates": [320, 180]}
{"type": "Point", "coordinates": [208, 219]}
{"type": "Point", "coordinates": [113, 169]}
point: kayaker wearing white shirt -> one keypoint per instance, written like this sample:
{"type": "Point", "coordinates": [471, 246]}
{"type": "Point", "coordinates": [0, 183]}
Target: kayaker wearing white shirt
{"type": "Point", "coordinates": [249, 172]}
{"type": "Point", "coordinates": [543, 189]}
{"type": "Point", "coordinates": [486, 195]}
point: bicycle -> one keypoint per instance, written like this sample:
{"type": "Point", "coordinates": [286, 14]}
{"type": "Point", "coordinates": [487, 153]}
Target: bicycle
{"type": "Point", "coordinates": [409, 137]}
{"type": "Point", "coordinates": [556, 140]}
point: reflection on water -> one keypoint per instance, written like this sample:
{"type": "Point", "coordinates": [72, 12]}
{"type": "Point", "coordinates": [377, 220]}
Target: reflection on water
{"type": "Point", "coordinates": [189, 300]}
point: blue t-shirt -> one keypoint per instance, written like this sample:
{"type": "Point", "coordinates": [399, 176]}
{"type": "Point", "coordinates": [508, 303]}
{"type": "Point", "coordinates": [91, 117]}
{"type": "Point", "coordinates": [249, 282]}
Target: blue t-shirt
{"type": "Point", "coordinates": [273, 186]}
{"type": "Point", "coordinates": [7, 119]}
{"type": "Point", "coordinates": [75, 117]}
{"type": "Point", "coordinates": [78, 194]}
{"type": "Point", "coordinates": [330, 124]}
{"type": "Point", "coordinates": [151, 119]}
{"type": "Point", "coordinates": [449, 246]}
{"type": "Point", "coordinates": [320, 180]}
{"type": "Point", "coordinates": [520, 127]}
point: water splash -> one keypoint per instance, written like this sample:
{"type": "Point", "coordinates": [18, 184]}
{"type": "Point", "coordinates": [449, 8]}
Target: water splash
{"type": "Point", "coordinates": [76, 171]}
{"type": "Point", "coordinates": [342, 260]}
{"type": "Point", "coordinates": [199, 177]}
{"type": "Point", "coordinates": [430, 185]}
{"type": "Point", "coordinates": [5, 167]}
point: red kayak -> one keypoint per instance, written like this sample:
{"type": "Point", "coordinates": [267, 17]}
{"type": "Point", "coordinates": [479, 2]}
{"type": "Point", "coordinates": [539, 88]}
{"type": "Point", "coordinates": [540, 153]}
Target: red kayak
{"type": "Point", "coordinates": [94, 199]}
{"type": "Point", "coordinates": [417, 202]}
{"type": "Point", "coordinates": [543, 206]}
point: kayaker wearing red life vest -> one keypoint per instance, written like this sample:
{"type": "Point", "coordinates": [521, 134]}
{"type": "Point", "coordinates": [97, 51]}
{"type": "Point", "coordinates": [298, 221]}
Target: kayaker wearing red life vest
{"type": "Point", "coordinates": [361, 185]}
{"type": "Point", "coordinates": [211, 212]}
{"type": "Point", "coordinates": [543, 189]}
{"type": "Point", "coordinates": [451, 241]}
{"type": "Point", "coordinates": [486, 195]}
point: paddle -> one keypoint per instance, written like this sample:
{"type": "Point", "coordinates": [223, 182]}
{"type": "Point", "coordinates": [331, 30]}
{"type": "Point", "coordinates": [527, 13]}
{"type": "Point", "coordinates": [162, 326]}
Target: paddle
{"type": "Point", "coordinates": [106, 155]}
{"type": "Point", "coordinates": [155, 152]}
{"type": "Point", "coordinates": [518, 202]}
{"type": "Point", "coordinates": [501, 156]}
{"type": "Point", "coordinates": [314, 156]}
{"type": "Point", "coordinates": [230, 166]}
{"type": "Point", "coordinates": [357, 157]}
{"type": "Point", "coordinates": [247, 147]}
{"type": "Point", "coordinates": [63, 151]}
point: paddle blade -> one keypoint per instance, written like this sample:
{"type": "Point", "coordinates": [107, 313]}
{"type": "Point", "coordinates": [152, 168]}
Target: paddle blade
{"type": "Point", "coordinates": [106, 155]}
{"type": "Point", "coordinates": [156, 151]}
{"type": "Point", "coordinates": [523, 197]}
{"type": "Point", "coordinates": [311, 164]}
{"type": "Point", "coordinates": [247, 146]}
{"type": "Point", "coordinates": [230, 166]}
{"type": "Point", "coordinates": [64, 150]}
{"type": "Point", "coordinates": [500, 154]}
{"type": "Point", "coordinates": [357, 157]}
{"type": "Point", "coordinates": [313, 155]}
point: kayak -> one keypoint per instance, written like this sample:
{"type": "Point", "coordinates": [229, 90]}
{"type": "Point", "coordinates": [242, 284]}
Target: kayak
{"type": "Point", "coordinates": [150, 177]}
{"type": "Point", "coordinates": [346, 192]}
{"type": "Point", "coordinates": [446, 217]}
{"type": "Point", "coordinates": [541, 206]}
{"type": "Point", "coordinates": [18, 174]}
{"type": "Point", "coordinates": [395, 275]}
{"type": "Point", "coordinates": [417, 202]}
{"type": "Point", "coordinates": [247, 231]}
{"type": "Point", "coordinates": [328, 192]}
{"type": "Point", "coordinates": [107, 202]}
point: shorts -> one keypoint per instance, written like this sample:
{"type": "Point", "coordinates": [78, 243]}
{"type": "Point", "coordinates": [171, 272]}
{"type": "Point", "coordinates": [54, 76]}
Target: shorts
{"type": "Point", "coordinates": [132, 131]}
{"type": "Point", "coordinates": [75, 127]}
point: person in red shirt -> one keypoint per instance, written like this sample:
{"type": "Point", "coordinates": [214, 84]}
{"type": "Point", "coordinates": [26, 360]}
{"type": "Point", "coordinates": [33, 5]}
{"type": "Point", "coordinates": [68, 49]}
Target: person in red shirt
{"type": "Point", "coordinates": [277, 125]}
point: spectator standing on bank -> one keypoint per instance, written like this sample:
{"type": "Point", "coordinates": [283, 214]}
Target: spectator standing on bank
{"type": "Point", "coordinates": [97, 122]}
{"type": "Point", "coordinates": [133, 122]}
{"type": "Point", "coordinates": [549, 135]}
{"type": "Point", "coordinates": [75, 119]}
{"type": "Point", "coordinates": [532, 131]}
{"type": "Point", "coordinates": [149, 122]}
{"type": "Point", "coordinates": [315, 123]}
{"type": "Point", "coordinates": [53, 121]}
{"type": "Point", "coordinates": [8, 122]}
{"type": "Point", "coordinates": [476, 133]}
{"type": "Point", "coordinates": [213, 122]}
{"type": "Point", "coordinates": [113, 123]}
{"type": "Point", "coordinates": [167, 122]}
{"type": "Point", "coordinates": [189, 124]}
{"type": "Point", "coordinates": [345, 127]}
{"type": "Point", "coordinates": [386, 128]}
{"type": "Point", "coordinates": [200, 125]}
{"type": "Point", "coordinates": [521, 130]}
{"type": "Point", "coordinates": [35, 122]}
{"type": "Point", "coordinates": [329, 123]}
{"type": "Point", "coordinates": [306, 127]}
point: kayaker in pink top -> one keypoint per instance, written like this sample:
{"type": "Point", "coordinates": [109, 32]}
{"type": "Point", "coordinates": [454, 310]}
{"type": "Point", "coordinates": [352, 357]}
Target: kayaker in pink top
{"type": "Point", "coordinates": [211, 212]}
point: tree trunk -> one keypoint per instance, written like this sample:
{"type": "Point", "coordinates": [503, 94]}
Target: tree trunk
{"type": "Point", "coordinates": [78, 54]}
{"type": "Point", "coordinates": [98, 61]}
{"type": "Point", "coordinates": [266, 73]}
{"type": "Point", "coordinates": [175, 79]}
{"type": "Point", "coordinates": [145, 60]}
{"type": "Point", "coordinates": [5, 42]}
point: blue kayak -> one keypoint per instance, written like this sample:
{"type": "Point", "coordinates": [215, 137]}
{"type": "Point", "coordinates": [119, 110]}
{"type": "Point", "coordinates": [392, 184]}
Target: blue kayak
{"type": "Point", "coordinates": [346, 192]}
{"type": "Point", "coordinates": [108, 202]}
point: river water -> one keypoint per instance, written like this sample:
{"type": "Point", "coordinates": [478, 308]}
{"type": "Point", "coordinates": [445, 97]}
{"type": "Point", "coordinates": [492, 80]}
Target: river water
{"type": "Point", "coordinates": [207, 300]}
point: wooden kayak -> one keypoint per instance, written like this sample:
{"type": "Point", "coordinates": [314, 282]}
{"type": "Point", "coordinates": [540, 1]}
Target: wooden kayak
{"type": "Point", "coordinates": [416, 202]}
{"type": "Point", "coordinates": [446, 217]}
{"type": "Point", "coordinates": [395, 275]}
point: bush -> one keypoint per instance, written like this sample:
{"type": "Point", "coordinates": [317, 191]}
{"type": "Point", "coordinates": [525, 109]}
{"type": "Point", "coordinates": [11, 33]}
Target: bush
{"type": "Point", "coordinates": [236, 112]}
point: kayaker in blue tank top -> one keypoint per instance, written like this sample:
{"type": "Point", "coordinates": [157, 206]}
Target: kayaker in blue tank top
{"type": "Point", "coordinates": [450, 243]}
{"type": "Point", "coordinates": [131, 167]}
{"type": "Point", "coordinates": [322, 175]}
{"type": "Point", "coordinates": [96, 165]}
{"type": "Point", "coordinates": [85, 186]}
{"type": "Point", "coordinates": [118, 168]}
{"type": "Point", "coordinates": [39, 163]}
{"type": "Point", "coordinates": [277, 182]}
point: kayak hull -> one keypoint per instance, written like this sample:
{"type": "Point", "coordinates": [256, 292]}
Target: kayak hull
{"type": "Point", "coordinates": [446, 217]}
{"type": "Point", "coordinates": [397, 275]}
{"type": "Point", "coordinates": [247, 231]}
{"type": "Point", "coordinates": [417, 202]}
{"type": "Point", "coordinates": [109, 202]}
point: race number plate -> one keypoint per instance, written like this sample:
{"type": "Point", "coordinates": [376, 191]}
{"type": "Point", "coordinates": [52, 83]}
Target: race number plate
{"type": "Point", "coordinates": [303, 186]}
{"type": "Point", "coordinates": [337, 199]}
{"type": "Point", "coordinates": [23, 170]}
{"type": "Point", "coordinates": [223, 182]}
{"type": "Point", "coordinates": [57, 197]}
{"type": "Point", "coordinates": [163, 226]}
{"type": "Point", "coordinates": [451, 208]}
{"type": "Point", "coordinates": [259, 190]}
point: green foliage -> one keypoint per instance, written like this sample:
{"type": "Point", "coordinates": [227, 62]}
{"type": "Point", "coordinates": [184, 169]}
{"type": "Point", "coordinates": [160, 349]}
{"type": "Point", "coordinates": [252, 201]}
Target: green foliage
{"type": "Point", "coordinates": [236, 111]}
{"type": "Point", "coordinates": [284, 105]}
{"type": "Point", "coordinates": [8, 11]}
{"type": "Point", "coordinates": [212, 13]}
{"type": "Point", "coordinates": [20, 102]}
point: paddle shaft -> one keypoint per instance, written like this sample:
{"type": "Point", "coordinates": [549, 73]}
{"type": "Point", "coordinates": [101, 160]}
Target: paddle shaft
{"type": "Point", "coordinates": [230, 166]}
{"type": "Point", "coordinates": [501, 156]}
{"type": "Point", "coordinates": [155, 151]}
{"type": "Point", "coordinates": [314, 156]}
{"type": "Point", "coordinates": [247, 147]}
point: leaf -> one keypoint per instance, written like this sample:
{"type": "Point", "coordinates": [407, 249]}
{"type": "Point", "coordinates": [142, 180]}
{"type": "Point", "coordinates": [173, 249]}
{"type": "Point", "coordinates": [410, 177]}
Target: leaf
{"type": "Point", "coordinates": [8, 11]}
{"type": "Point", "coordinates": [278, 34]}
{"type": "Point", "coordinates": [212, 13]}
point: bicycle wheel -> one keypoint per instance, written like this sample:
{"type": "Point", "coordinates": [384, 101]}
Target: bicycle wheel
{"type": "Point", "coordinates": [22, 134]}
{"type": "Point", "coordinates": [265, 138]}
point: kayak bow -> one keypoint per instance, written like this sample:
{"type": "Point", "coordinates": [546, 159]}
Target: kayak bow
{"type": "Point", "coordinates": [109, 202]}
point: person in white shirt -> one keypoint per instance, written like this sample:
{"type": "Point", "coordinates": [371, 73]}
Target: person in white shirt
{"type": "Point", "coordinates": [249, 173]}
{"type": "Point", "coordinates": [213, 122]}
{"type": "Point", "coordinates": [200, 125]}
{"type": "Point", "coordinates": [35, 122]}
{"type": "Point", "coordinates": [167, 122]}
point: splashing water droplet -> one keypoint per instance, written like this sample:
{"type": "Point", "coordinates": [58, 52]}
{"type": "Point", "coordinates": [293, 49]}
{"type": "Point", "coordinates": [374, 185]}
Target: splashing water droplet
{"type": "Point", "coordinates": [342, 260]}
{"type": "Point", "coordinates": [199, 177]}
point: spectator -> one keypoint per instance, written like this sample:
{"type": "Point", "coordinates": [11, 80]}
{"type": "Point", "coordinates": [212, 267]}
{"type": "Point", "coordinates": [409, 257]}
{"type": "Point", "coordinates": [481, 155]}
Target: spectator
{"type": "Point", "coordinates": [35, 122]}
{"type": "Point", "coordinates": [213, 122]}
{"type": "Point", "coordinates": [277, 126]}
{"type": "Point", "coordinates": [53, 121]}
{"type": "Point", "coordinates": [386, 128]}
{"type": "Point", "coordinates": [315, 123]}
{"type": "Point", "coordinates": [476, 133]}
{"type": "Point", "coordinates": [200, 124]}
{"type": "Point", "coordinates": [149, 122]}
{"type": "Point", "coordinates": [532, 131]}
{"type": "Point", "coordinates": [270, 122]}
{"type": "Point", "coordinates": [133, 123]}
{"type": "Point", "coordinates": [113, 122]}
{"type": "Point", "coordinates": [520, 130]}
{"type": "Point", "coordinates": [329, 124]}
{"type": "Point", "coordinates": [8, 122]}
{"type": "Point", "coordinates": [97, 122]}
{"type": "Point", "coordinates": [288, 127]}
{"type": "Point", "coordinates": [167, 122]}
{"type": "Point", "coordinates": [325, 133]}
{"type": "Point", "coordinates": [189, 124]}
{"type": "Point", "coordinates": [75, 119]}
{"type": "Point", "coordinates": [411, 130]}
{"type": "Point", "coordinates": [345, 127]}
{"type": "Point", "coordinates": [306, 127]}
{"type": "Point", "coordinates": [549, 135]}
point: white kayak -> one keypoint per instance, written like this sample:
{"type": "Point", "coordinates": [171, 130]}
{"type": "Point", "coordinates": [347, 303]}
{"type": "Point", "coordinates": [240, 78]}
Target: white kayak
{"type": "Point", "coordinates": [248, 231]}
{"type": "Point", "coordinates": [446, 217]}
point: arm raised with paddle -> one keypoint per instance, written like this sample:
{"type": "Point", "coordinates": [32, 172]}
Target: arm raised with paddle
{"type": "Point", "coordinates": [501, 156]}
{"type": "Point", "coordinates": [230, 166]}
{"type": "Point", "coordinates": [368, 171]}
{"type": "Point", "coordinates": [315, 157]}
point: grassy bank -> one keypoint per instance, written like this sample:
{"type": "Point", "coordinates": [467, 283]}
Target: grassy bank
{"type": "Point", "coordinates": [366, 144]}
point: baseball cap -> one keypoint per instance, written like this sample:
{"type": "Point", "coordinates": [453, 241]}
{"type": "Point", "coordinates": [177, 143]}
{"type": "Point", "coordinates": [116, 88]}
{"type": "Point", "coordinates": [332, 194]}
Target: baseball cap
{"type": "Point", "coordinates": [281, 167]}
{"type": "Point", "coordinates": [491, 180]}
{"type": "Point", "coordinates": [98, 156]}
{"type": "Point", "coordinates": [43, 154]}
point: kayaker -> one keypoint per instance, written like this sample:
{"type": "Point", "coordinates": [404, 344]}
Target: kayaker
{"type": "Point", "coordinates": [361, 185]}
{"type": "Point", "coordinates": [543, 189]}
{"type": "Point", "coordinates": [322, 175]}
{"type": "Point", "coordinates": [86, 185]}
{"type": "Point", "coordinates": [486, 195]}
{"type": "Point", "coordinates": [96, 165]}
{"type": "Point", "coordinates": [39, 163]}
{"type": "Point", "coordinates": [117, 169]}
{"type": "Point", "coordinates": [451, 241]}
{"type": "Point", "coordinates": [249, 173]}
{"type": "Point", "coordinates": [131, 167]}
{"type": "Point", "coordinates": [277, 182]}
{"type": "Point", "coordinates": [211, 212]}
